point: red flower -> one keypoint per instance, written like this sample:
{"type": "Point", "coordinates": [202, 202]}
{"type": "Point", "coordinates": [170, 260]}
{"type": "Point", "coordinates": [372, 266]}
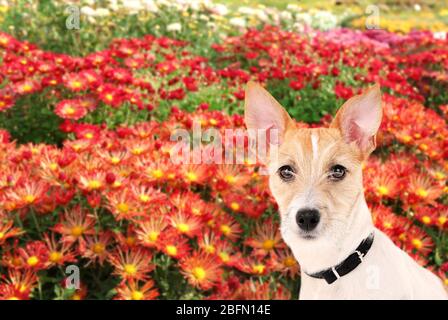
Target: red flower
{"type": "Point", "coordinates": [70, 109]}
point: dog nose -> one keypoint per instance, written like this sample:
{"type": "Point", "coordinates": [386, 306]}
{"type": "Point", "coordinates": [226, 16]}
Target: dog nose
{"type": "Point", "coordinates": [307, 219]}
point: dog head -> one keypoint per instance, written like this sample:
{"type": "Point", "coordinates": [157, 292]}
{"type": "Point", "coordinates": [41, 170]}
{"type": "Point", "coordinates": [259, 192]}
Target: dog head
{"type": "Point", "coordinates": [316, 174]}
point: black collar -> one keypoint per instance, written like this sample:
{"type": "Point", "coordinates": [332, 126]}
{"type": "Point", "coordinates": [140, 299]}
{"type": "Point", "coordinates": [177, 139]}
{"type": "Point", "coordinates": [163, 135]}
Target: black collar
{"type": "Point", "coordinates": [348, 265]}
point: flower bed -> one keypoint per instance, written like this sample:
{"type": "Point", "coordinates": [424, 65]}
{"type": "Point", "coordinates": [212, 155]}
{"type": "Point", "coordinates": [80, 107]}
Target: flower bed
{"type": "Point", "coordinates": [87, 177]}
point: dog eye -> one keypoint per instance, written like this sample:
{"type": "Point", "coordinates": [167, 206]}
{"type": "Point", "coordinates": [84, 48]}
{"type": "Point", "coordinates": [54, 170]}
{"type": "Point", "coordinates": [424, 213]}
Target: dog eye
{"type": "Point", "coordinates": [286, 173]}
{"type": "Point", "coordinates": [337, 172]}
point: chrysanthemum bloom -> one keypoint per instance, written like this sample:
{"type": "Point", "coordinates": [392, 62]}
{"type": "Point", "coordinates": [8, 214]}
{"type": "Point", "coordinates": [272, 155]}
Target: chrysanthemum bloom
{"type": "Point", "coordinates": [253, 290]}
{"type": "Point", "coordinates": [88, 102]}
{"type": "Point", "coordinates": [231, 176]}
{"type": "Point", "coordinates": [284, 262]}
{"type": "Point", "coordinates": [202, 270]}
{"type": "Point", "coordinates": [422, 188]}
{"type": "Point", "coordinates": [173, 245]}
{"type": "Point", "coordinates": [228, 227]}
{"type": "Point", "coordinates": [95, 248]}
{"type": "Point", "coordinates": [383, 184]}
{"type": "Point", "coordinates": [6, 102]}
{"type": "Point", "coordinates": [148, 231]}
{"type": "Point", "coordinates": [35, 255]}
{"type": "Point", "coordinates": [420, 241]}
{"type": "Point", "coordinates": [79, 294]}
{"type": "Point", "coordinates": [195, 174]}
{"type": "Point", "coordinates": [393, 225]}
{"type": "Point", "coordinates": [26, 87]}
{"type": "Point", "coordinates": [114, 157]}
{"type": "Point", "coordinates": [254, 265]}
{"type": "Point", "coordinates": [75, 82]}
{"type": "Point", "coordinates": [147, 195]}
{"type": "Point", "coordinates": [59, 252]}
{"type": "Point", "coordinates": [8, 231]}
{"type": "Point", "coordinates": [123, 205]}
{"type": "Point", "coordinates": [132, 290]}
{"type": "Point", "coordinates": [208, 242]}
{"type": "Point", "coordinates": [30, 193]}
{"type": "Point", "coordinates": [426, 215]}
{"type": "Point", "coordinates": [18, 285]}
{"type": "Point", "coordinates": [92, 181]}
{"type": "Point", "coordinates": [138, 147]}
{"type": "Point", "coordinates": [266, 237]}
{"type": "Point", "coordinates": [70, 109]}
{"type": "Point", "coordinates": [186, 224]}
{"type": "Point", "coordinates": [111, 95]}
{"type": "Point", "coordinates": [74, 224]}
{"type": "Point", "coordinates": [131, 264]}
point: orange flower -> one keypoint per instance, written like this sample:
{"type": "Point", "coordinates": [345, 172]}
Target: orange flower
{"type": "Point", "coordinates": [123, 205]}
{"type": "Point", "coordinates": [92, 181]}
{"type": "Point", "coordinates": [70, 109]}
{"type": "Point", "coordinates": [26, 87]}
{"type": "Point", "coordinates": [75, 82]}
{"type": "Point", "coordinates": [146, 195]}
{"type": "Point", "coordinates": [74, 224]}
{"type": "Point", "coordinates": [195, 174]}
{"type": "Point", "coordinates": [253, 266]}
{"type": "Point", "coordinates": [131, 290]}
{"type": "Point", "coordinates": [35, 255]}
{"type": "Point", "coordinates": [254, 290]}
{"type": "Point", "coordinates": [131, 264]}
{"type": "Point", "coordinates": [384, 184]}
{"type": "Point", "coordinates": [27, 194]}
{"type": "Point", "coordinates": [148, 231]}
{"type": "Point", "coordinates": [186, 224]}
{"type": "Point", "coordinates": [422, 188]}
{"type": "Point", "coordinates": [419, 241]}
{"type": "Point", "coordinates": [231, 176]}
{"type": "Point", "coordinates": [173, 245]}
{"type": "Point", "coordinates": [202, 270]}
{"type": "Point", "coordinates": [18, 285]}
{"type": "Point", "coordinates": [8, 231]}
{"type": "Point", "coordinates": [265, 238]}
{"type": "Point", "coordinates": [284, 262]}
{"type": "Point", "coordinates": [96, 247]}
{"type": "Point", "coordinates": [58, 252]}
{"type": "Point", "coordinates": [228, 227]}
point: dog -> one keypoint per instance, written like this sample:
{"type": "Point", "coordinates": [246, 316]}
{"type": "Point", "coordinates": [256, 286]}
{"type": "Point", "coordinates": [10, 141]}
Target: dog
{"type": "Point", "coordinates": [316, 180]}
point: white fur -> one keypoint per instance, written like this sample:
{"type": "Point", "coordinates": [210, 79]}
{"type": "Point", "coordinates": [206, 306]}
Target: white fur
{"type": "Point", "coordinates": [314, 140]}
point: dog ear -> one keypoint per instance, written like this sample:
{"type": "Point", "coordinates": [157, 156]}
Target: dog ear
{"type": "Point", "coordinates": [360, 118]}
{"type": "Point", "coordinates": [263, 112]}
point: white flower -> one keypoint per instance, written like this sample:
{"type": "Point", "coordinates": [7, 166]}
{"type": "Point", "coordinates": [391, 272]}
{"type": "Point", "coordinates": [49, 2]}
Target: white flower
{"type": "Point", "coordinates": [176, 26]}
{"type": "Point", "coordinates": [261, 15]}
{"type": "Point", "coordinates": [324, 20]}
{"type": "Point", "coordinates": [440, 35]}
{"type": "Point", "coordinates": [102, 12]}
{"type": "Point", "coordinates": [246, 10]}
{"type": "Point", "coordinates": [298, 27]}
{"type": "Point", "coordinates": [133, 5]}
{"type": "Point", "coordinates": [293, 7]}
{"type": "Point", "coordinates": [88, 11]}
{"type": "Point", "coordinates": [286, 15]}
{"type": "Point", "coordinates": [304, 18]}
{"type": "Point", "coordinates": [238, 22]}
{"type": "Point", "coordinates": [417, 7]}
{"type": "Point", "coordinates": [150, 5]}
{"type": "Point", "coordinates": [220, 9]}
{"type": "Point", "coordinates": [114, 5]}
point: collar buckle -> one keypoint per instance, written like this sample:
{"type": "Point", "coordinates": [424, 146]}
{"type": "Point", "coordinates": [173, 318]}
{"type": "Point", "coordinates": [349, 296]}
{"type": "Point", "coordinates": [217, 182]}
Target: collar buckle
{"type": "Point", "coordinates": [335, 272]}
{"type": "Point", "coordinates": [360, 255]}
